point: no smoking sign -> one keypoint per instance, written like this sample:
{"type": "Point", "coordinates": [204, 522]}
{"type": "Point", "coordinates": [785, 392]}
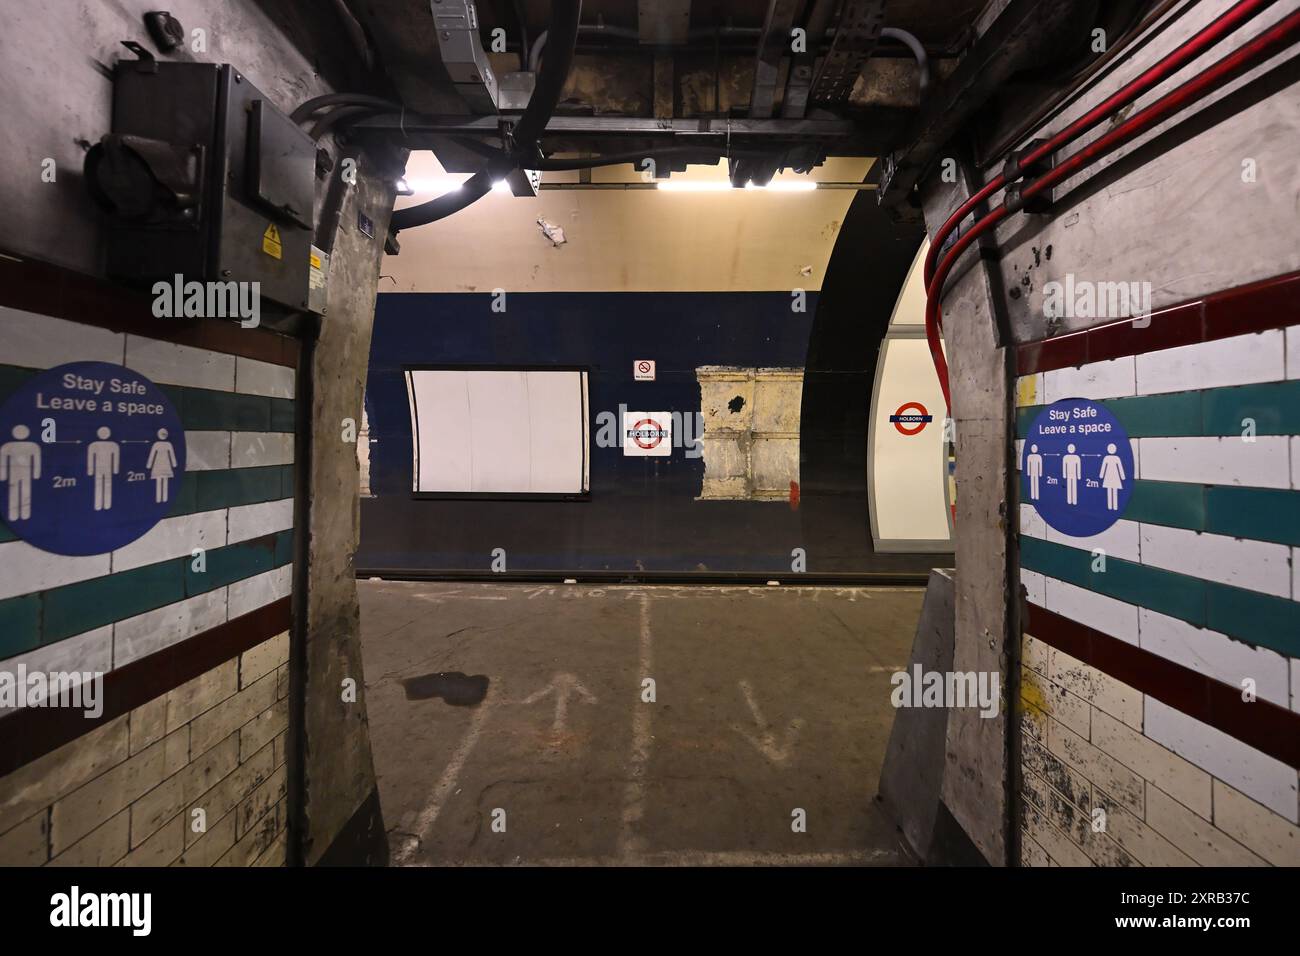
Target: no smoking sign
{"type": "Point", "coordinates": [643, 370]}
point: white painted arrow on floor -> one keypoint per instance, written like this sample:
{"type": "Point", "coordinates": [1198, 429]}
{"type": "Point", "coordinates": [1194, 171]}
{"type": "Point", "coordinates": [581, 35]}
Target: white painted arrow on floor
{"type": "Point", "coordinates": [563, 686]}
{"type": "Point", "coordinates": [765, 740]}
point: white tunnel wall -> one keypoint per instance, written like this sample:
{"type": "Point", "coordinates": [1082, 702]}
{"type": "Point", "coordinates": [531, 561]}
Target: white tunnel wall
{"type": "Point", "coordinates": [909, 485]}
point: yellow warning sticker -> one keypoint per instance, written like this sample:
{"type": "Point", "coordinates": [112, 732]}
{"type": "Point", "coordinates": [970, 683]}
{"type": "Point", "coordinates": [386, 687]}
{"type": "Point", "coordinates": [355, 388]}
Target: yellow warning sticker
{"type": "Point", "coordinates": [271, 242]}
{"type": "Point", "coordinates": [315, 261]}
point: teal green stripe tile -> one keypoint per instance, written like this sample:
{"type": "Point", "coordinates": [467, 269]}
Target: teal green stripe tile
{"type": "Point", "coordinates": [20, 625]}
{"type": "Point", "coordinates": [1068, 564]}
{"type": "Point", "coordinates": [283, 548]}
{"type": "Point", "coordinates": [1261, 514]}
{"type": "Point", "coordinates": [11, 376]}
{"type": "Point", "coordinates": [1025, 417]}
{"type": "Point", "coordinates": [234, 562]}
{"type": "Point", "coordinates": [287, 489]}
{"type": "Point", "coordinates": [176, 395]}
{"type": "Point", "coordinates": [1275, 408]}
{"type": "Point", "coordinates": [282, 415]}
{"type": "Point", "coordinates": [1261, 619]}
{"type": "Point", "coordinates": [79, 607]}
{"type": "Point", "coordinates": [1177, 413]}
{"type": "Point", "coordinates": [206, 410]}
{"type": "Point", "coordinates": [1174, 503]}
{"type": "Point", "coordinates": [186, 501]}
{"type": "Point", "coordinates": [6, 534]}
{"type": "Point", "coordinates": [1176, 595]}
{"type": "Point", "coordinates": [237, 486]}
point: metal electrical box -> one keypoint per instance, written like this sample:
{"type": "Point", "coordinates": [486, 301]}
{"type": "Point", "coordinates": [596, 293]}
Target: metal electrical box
{"type": "Point", "coordinates": [205, 178]}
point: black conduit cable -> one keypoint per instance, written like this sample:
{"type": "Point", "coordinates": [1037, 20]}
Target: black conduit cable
{"type": "Point", "coordinates": [346, 99]}
{"type": "Point", "coordinates": [565, 15]}
{"type": "Point", "coordinates": [470, 192]}
{"type": "Point", "coordinates": [352, 27]}
{"type": "Point", "coordinates": [552, 76]}
{"type": "Point", "coordinates": [337, 115]}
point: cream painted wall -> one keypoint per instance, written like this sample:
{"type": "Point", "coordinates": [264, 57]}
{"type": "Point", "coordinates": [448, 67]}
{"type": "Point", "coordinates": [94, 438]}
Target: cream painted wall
{"type": "Point", "coordinates": [625, 240]}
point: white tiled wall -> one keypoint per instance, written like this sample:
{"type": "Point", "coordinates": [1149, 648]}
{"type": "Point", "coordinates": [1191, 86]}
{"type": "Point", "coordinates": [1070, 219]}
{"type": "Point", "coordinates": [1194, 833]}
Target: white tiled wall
{"type": "Point", "coordinates": [1102, 613]}
{"type": "Point", "coordinates": [28, 569]}
{"type": "Point", "coordinates": [1253, 565]}
{"type": "Point", "coordinates": [1215, 655]}
{"type": "Point", "coordinates": [41, 341]}
{"type": "Point", "coordinates": [1261, 463]}
{"type": "Point", "coordinates": [1261, 777]}
{"type": "Point", "coordinates": [169, 364]}
{"type": "Point", "coordinates": [1242, 360]}
{"type": "Point", "coordinates": [1111, 379]}
{"type": "Point", "coordinates": [1174, 791]}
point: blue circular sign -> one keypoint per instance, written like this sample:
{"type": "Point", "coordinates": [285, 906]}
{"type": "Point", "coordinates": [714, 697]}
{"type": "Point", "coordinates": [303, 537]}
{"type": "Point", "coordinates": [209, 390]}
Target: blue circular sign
{"type": "Point", "coordinates": [91, 457]}
{"type": "Point", "coordinates": [1076, 468]}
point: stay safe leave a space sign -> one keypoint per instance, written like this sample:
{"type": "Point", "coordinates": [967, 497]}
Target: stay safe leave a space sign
{"type": "Point", "coordinates": [91, 458]}
{"type": "Point", "coordinates": [1076, 468]}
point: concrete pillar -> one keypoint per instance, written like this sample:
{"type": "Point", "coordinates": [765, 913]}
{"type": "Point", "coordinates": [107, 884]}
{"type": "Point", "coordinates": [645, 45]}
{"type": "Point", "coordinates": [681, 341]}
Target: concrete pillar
{"type": "Point", "coordinates": [338, 814]}
{"type": "Point", "coordinates": [976, 772]}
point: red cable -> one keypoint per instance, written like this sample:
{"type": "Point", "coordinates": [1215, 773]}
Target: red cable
{"type": "Point", "coordinates": [1181, 56]}
{"type": "Point", "coordinates": [1273, 40]}
{"type": "Point", "coordinates": [1231, 66]}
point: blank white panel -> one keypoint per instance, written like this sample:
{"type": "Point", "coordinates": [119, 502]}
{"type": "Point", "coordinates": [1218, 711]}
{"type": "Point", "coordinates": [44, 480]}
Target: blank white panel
{"type": "Point", "coordinates": [499, 434]}
{"type": "Point", "coordinates": [441, 426]}
{"type": "Point", "coordinates": [499, 431]}
{"type": "Point", "coordinates": [558, 429]}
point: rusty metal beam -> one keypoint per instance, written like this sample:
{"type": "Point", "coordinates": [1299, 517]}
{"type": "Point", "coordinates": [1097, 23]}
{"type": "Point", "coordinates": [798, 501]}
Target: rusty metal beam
{"type": "Point", "coordinates": [773, 47]}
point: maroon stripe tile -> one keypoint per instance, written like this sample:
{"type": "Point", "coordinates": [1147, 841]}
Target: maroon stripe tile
{"type": "Point", "coordinates": [50, 290]}
{"type": "Point", "coordinates": [33, 732]}
{"type": "Point", "coordinates": [1256, 307]}
{"type": "Point", "coordinates": [1263, 725]}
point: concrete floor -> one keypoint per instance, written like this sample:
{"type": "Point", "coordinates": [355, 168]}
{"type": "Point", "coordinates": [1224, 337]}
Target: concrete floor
{"type": "Point", "coordinates": [767, 701]}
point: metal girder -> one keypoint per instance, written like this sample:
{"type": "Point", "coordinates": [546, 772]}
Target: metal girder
{"type": "Point", "coordinates": [456, 27]}
{"type": "Point", "coordinates": [1015, 38]}
{"type": "Point", "coordinates": [802, 68]}
{"type": "Point", "coordinates": [773, 46]}
{"type": "Point", "coordinates": [663, 22]}
{"type": "Point", "coordinates": [855, 38]}
{"type": "Point", "coordinates": [686, 131]}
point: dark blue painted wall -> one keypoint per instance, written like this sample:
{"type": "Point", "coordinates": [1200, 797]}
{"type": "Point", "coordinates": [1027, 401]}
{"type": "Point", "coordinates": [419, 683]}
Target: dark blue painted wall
{"type": "Point", "coordinates": [642, 514]}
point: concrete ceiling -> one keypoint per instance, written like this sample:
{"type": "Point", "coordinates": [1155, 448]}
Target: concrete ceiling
{"type": "Point", "coordinates": [402, 33]}
{"type": "Point", "coordinates": [626, 240]}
